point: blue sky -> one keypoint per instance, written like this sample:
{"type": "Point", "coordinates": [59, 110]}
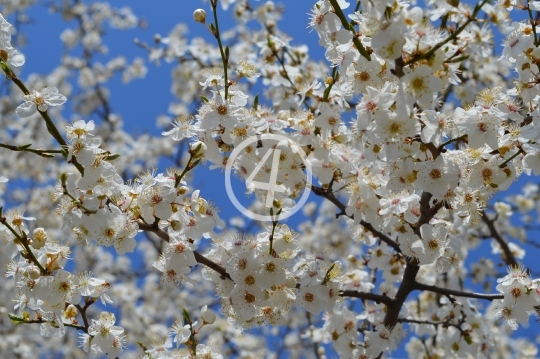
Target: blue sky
{"type": "Point", "coordinates": [142, 101]}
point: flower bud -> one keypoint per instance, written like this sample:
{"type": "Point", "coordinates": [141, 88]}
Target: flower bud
{"type": "Point", "coordinates": [207, 315]}
{"type": "Point", "coordinates": [199, 15]}
{"type": "Point", "coordinates": [39, 237]}
{"type": "Point", "coordinates": [176, 225]}
{"type": "Point", "coordinates": [34, 273]}
{"type": "Point", "coordinates": [70, 312]}
{"type": "Point", "coordinates": [199, 149]}
{"type": "Point", "coordinates": [4, 55]}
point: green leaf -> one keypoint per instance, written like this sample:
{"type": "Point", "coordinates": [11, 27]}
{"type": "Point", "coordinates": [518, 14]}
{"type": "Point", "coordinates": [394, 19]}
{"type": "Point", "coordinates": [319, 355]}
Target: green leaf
{"type": "Point", "coordinates": [186, 315]}
{"type": "Point", "coordinates": [196, 163]}
{"type": "Point", "coordinates": [16, 319]}
{"type": "Point", "coordinates": [113, 157]}
{"type": "Point", "coordinates": [256, 102]}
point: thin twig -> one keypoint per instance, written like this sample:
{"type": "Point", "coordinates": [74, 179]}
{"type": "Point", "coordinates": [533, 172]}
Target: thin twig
{"type": "Point", "coordinates": [329, 195]}
{"type": "Point", "coordinates": [154, 228]}
{"type": "Point", "coordinates": [361, 49]}
{"type": "Point", "coordinates": [509, 257]}
{"type": "Point", "coordinates": [377, 298]}
{"type": "Point", "coordinates": [457, 293]}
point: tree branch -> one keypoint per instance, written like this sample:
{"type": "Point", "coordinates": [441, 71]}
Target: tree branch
{"type": "Point", "coordinates": [508, 255]}
{"type": "Point", "coordinates": [368, 226]}
{"type": "Point", "coordinates": [409, 276]}
{"type": "Point", "coordinates": [361, 49]}
{"type": "Point", "coordinates": [457, 293]}
{"type": "Point", "coordinates": [154, 228]}
{"type": "Point", "coordinates": [377, 298]}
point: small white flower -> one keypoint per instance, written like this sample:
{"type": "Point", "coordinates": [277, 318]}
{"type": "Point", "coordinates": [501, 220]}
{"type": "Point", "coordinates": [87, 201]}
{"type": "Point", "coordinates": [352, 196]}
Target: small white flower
{"type": "Point", "coordinates": [181, 333]}
{"type": "Point", "coordinates": [104, 331]}
{"type": "Point", "coordinates": [207, 315]}
{"type": "Point", "coordinates": [41, 101]}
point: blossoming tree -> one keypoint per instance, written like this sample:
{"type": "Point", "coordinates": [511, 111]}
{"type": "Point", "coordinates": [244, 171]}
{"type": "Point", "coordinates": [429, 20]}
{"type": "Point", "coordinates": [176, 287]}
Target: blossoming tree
{"type": "Point", "coordinates": [410, 128]}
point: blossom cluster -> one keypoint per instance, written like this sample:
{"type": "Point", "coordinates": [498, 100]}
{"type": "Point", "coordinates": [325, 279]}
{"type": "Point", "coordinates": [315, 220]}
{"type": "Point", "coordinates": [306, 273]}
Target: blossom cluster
{"type": "Point", "coordinates": [8, 53]}
{"type": "Point", "coordinates": [416, 128]}
{"type": "Point", "coordinates": [265, 274]}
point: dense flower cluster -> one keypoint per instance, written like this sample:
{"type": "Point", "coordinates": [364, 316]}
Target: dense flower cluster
{"type": "Point", "coordinates": [410, 129]}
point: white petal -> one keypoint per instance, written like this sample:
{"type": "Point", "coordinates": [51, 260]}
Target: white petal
{"type": "Point", "coordinates": [55, 100]}
{"type": "Point", "coordinates": [26, 109]}
{"type": "Point", "coordinates": [16, 59]}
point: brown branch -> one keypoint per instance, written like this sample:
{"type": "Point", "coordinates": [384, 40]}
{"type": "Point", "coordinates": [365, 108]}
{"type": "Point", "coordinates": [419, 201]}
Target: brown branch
{"type": "Point", "coordinates": [368, 226]}
{"type": "Point", "coordinates": [154, 228]}
{"type": "Point", "coordinates": [508, 255]}
{"type": "Point", "coordinates": [407, 286]}
{"type": "Point", "coordinates": [21, 320]}
{"type": "Point", "coordinates": [26, 148]}
{"type": "Point", "coordinates": [409, 276]}
{"type": "Point", "coordinates": [457, 293]}
{"type": "Point", "coordinates": [82, 311]}
{"type": "Point", "coordinates": [377, 298]}
{"type": "Point", "coordinates": [426, 211]}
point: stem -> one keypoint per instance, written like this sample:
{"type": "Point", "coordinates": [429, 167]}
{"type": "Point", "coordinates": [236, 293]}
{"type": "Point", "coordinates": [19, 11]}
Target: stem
{"type": "Point", "coordinates": [76, 201]}
{"type": "Point", "coordinates": [351, 28]}
{"type": "Point", "coordinates": [502, 165]}
{"type": "Point", "coordinates": [453, 36]}
{"type": "Point", "coordinates": [533, 22]}
{"type": "Point", "coordinates": [271, 250]}
{"type": "Point", "coordinates": [22, 241]}
{"type": "Point", "coordinates": [224, 58]}
{"type": "Point", "coordinates": [335, 73]}
{"type": "Point", "coordinates": [50, 124]}
{"type": "Point", "coordinates": [188, 167]}
{"type": "Point", "coordinates": [11, 76]}
{"type": "Point", "coordinates": [42, 153]}
{"type": "Point", "coordinates": [39, 321]}
{"type": "Point", "coordinates": [452, 140]}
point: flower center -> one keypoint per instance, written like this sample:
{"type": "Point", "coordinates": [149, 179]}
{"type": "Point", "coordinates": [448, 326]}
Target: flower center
{"type": "Point", "coordinates": [270, 267]}
{"type": "Point", "coordinates": [371, 105]}
{"type": "Point", "coordinates": [362, 76]}
{"type": "Point", "coordinates": [487, 173]}
{"type": "Point", "coordinates": [417, 84]}
{"type": "Point", "coordinates": [222, 110]}
{"type": "Point", "coordinates": [249, 280]}
{"type": "Point", "coordinates": [249, 298]}
{"type": "Point", "coordinates": [435, 173]}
